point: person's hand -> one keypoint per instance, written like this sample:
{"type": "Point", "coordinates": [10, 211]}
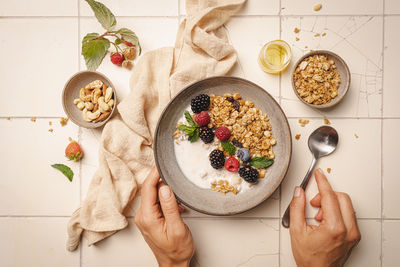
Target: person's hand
{"type": "Point", "coordinates": [330, 243]}
{"type": "Point", "coordinates": [163, 229]}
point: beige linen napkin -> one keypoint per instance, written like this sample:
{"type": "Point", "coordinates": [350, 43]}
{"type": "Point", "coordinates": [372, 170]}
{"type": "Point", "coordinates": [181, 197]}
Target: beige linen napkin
{"type": "Point", "coordinates": [126, 156]}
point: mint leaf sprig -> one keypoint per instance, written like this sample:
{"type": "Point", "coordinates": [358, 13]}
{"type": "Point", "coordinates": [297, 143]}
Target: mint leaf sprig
{"type": "Point", "coordinates": [192, 130]}
{"type": "Point", "coordinates": [228, 147]}
{"type": "Point", "coordinates": [261, 162]}
{"type": "Point", "coordinates": [65, 170]}
{"type": "Point", "coordinates": [95, 46]}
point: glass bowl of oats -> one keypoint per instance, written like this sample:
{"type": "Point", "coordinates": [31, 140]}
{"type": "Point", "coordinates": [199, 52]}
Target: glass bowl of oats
{"type": "Point", "coordinates": [321, 79]}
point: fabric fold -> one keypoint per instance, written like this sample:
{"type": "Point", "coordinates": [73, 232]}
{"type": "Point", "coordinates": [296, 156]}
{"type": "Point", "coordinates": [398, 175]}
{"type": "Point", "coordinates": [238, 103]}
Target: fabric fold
{"type": "Point", "coordinates": [126, 156]}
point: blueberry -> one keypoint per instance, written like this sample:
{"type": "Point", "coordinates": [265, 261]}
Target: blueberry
{"type": "Point", "coordinates": [243, 154]}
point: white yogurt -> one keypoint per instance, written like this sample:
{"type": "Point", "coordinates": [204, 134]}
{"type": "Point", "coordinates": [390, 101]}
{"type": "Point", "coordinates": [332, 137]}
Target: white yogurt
{"type": "Point", "coordinates": [193, 161]}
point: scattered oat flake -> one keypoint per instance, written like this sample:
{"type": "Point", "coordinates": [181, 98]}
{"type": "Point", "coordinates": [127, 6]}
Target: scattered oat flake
{"type": "Point", "coordinates": [297, 38]}
{"type": "Point", "coordinates": [326, 121]}
{"type": "Point", "coordinates": [316, 35]}
{"type": "Point", "coordinates": [306, 47]}
{"type": "Point", "coordinates": [8, 118]}
{"type": "Point", "coordinates": [50, 123]}
{"type": "Point", "coordinates": [33, 119]}
{"type": "Point", "coordinates": [356, 135]}
{"type": "Point", "coordinates": [63, 121]}
{"type": "Point", "coordinates": [328, 170]}
{"type": "Point", "coordinates": [51, 130]}
{"type": "Point", "coordinates": [297, 136]}
{"type": "Point", "coordinates": [317, 7]}
{"type": "Point", "coordinates": [296, 30]}
{"type": "Point", "coordinates": [324, 34]}
{"type": "Point", "coordinates": [303, 122]}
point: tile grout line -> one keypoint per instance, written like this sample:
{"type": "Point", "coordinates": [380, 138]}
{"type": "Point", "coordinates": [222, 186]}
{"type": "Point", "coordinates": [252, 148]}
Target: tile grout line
{"type": "Point", "coordinates": [383, 73]}
{"type": "Point", "coordinates": [80, 128]}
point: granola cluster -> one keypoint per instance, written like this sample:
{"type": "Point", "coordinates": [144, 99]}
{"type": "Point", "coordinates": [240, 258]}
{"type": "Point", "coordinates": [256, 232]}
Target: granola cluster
{"type": "Point", "coordinates": [248, 125]}
{"type": "Point", "coordinates": [223, 187]}
{"type": "Point", "coordinates": [317, 80]}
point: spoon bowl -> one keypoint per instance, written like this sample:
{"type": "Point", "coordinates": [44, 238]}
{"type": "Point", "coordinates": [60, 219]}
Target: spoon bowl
{"type": "Point", "coordinates": [322, 142]}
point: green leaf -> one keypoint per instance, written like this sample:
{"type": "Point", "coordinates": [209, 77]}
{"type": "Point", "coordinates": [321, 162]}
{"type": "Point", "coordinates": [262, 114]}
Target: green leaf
{"type": "Point", "coordinates": [131, 37]}
{"type": "Point", "coordinates": [94, 50]}
{"type": "Point", "coordinates": [118, 41]}
{"type": "Point", "coordinates": [103, 14]}
{"type": "Point", "coordinates": [190, 119]}
{"type": "Point", "coordinates": [228, 147]}
{"type": "Point", "coordinates": [193, 137]}
{"type": "Point", "coordinates": [261, 162]}
{"type": "Point", "coordinates": [65, 170]}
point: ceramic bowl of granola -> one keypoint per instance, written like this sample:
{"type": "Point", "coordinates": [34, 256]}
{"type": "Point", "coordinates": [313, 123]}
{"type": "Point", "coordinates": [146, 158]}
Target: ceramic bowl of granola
{"type": "Point", "coordinates": [89, 99]}
{"type": "Point", "coordinates": [223, 144]}
{"type": "Point", "coordinates": [321, 79]}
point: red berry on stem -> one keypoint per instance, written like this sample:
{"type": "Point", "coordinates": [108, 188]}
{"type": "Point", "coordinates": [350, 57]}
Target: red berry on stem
{"type": "Point", "coordinates": [117, 58]}
{"type": "Point", "coordinates": [232, 164]}
{"type": "Point", "coordinates": [202, 118]}
{"type": "Point", "coordinates": [222, 133]}
{"type": "Point", "coordinates": [74, 151]}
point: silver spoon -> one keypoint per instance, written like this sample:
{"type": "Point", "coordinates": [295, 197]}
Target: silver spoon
{"type": "Point", "coordinates": [322, 142]}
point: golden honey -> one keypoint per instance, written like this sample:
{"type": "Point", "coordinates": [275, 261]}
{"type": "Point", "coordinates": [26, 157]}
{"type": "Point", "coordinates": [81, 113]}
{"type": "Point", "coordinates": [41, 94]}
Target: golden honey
{"type": "Point", "coordinates": [275, 57]}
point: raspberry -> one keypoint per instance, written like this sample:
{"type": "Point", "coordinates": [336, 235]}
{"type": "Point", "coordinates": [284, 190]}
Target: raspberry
{"type": "Point", "coordinates": [200, 103]}
{"type": "Point", "coordinates": [206, 134]}
{"type": "Point", "coordinates": [202, 118]}
{"type": "Point", "coordinates": [117, 58]}
{"type": "Point", "coordinates": [222, 133]}
{"type": "Point", "coordinates": [232, 164]}
{"type": "Point", "coordinates": [249, 174]}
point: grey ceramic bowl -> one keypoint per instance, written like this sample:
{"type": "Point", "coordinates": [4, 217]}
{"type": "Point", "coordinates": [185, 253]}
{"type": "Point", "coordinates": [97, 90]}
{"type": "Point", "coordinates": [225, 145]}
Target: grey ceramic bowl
{"type": "Point", "coordinates": [343, 71]}
{"type": "Point", "coordinates": [71, 92]}
{"type": "Point", "coordinates": [206, 200]}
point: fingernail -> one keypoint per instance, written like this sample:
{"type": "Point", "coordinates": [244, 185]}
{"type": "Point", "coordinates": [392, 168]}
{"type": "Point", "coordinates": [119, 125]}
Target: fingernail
{"type": "Point", "coordinates": [165, 192]}
{"type": "Point", "coordinates": [319, 171]}
{"type": "Point", "coordinates": [297, 191]}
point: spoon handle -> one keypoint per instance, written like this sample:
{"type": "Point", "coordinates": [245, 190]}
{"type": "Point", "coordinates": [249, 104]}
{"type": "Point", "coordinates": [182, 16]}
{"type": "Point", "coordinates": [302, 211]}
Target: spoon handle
{"type": "Point", "coordinates": [286, 215]}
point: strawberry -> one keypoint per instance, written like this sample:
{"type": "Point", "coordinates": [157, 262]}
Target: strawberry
{"type": "Point", "coordinates": [117, 58]}
{"type": "Point", "coordinates": [74, 151]}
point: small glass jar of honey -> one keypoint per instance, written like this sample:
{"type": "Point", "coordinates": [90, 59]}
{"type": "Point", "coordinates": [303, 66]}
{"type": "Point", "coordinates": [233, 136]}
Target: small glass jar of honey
{"type": "Point", "coordinates": [275, 56]}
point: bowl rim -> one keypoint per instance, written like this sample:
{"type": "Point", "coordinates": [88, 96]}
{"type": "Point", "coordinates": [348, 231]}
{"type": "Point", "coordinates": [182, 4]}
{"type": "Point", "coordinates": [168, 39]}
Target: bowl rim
{"type": "Point", "coordinates": [95, 125]}
{"type": "Point", "coordinates": [158, 128]}
{"type": "Point", "coordinates": [335, 56]}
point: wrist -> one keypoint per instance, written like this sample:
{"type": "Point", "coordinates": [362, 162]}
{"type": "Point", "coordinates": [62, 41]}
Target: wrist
{"type": "Point", "coordinates": [174, 264]}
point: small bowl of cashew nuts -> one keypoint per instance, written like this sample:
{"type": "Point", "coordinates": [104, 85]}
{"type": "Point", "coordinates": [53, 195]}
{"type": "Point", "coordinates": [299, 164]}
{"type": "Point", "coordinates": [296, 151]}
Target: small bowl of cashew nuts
{"type": "Point", "coordinates": [89, 99]}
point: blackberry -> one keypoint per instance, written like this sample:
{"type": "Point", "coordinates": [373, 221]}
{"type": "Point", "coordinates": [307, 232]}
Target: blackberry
{"type": "Point", "coordinates": [200, 103]}
{"type": "Point", "coordinates": [217, 159]}
{"type": "Point", "coordinates": [249, 174]}
{"type": "Point", "coordinates": [206, 134]}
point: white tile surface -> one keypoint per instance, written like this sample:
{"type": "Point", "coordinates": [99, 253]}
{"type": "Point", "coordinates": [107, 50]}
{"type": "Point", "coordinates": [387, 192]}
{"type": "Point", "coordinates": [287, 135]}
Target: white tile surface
{"type": "Point", "coordinates": [38, 67]}
{"type": "Point", "coordinates": [392, 7]}
{"type": "Point", "coordinates": [35, 242]}
{"type": "Point", "coordinates": [349, 37]}
{"type": "Point", "coordinates": [235, 242]}
{"type": "Point", "coordinates": [153, 33]}
{"type": "Point", "coordinates": [391, 243]}
{"type": "Point", "coordinates": [253, 7]}
{"type": "Point", "coordinates": [391, 182]}
{"type": "Point", "coordinates": [135, 8]}
{"type": "Point", "coordinates": [338, 7]}
{"type": "Point", "coordinates": [39, 8]}
{"type": "Point", "coordinates": [29, 185]}
{"type": "Point", "coordinates": [392, 58]}
{"type": "Point", "coordinates": [366, 254]}
{"type": "Point", "coordinates": [248, 44]}
{"type": "Point", "coordinates": [355, 165]}
{"type": "Point", "coordinates": [125, 248]}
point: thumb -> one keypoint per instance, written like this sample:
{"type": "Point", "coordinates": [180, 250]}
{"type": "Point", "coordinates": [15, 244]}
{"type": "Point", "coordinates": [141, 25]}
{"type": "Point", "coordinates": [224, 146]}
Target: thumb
{"type": "Point", "coordinates": [169, 206]}
{"type": "Point", "coordinates": [297, 210]}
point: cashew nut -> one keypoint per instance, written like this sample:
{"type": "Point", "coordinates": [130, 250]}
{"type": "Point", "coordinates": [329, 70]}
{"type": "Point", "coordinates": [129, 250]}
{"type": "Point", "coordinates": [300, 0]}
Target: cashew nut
{"type": "Point", "coordinates": [89, 105]}
{"type": "Point", "coordinates": [76, 101]}
{"type": "Point", "coordinates": [83, 96]}
{"type": "Point", "coordinates": [108, 94]}
{"type": "Point", "coordinates": [85, 116]}
{"type": "Point", "coordinates": [104, 88]}
{"type": "Point", "coordinates": [111, 103]}
{"type": "Point", "coordinates": [103, 105]}
{"type": "Point", "coordinates": [90, 116]}
{"type": "Point", "coordinates": [102, 117]}
{"type": "Point", "coordinates": [96, 107]}
{"type": "Point", "coordinates": [81, 105]}
{"type": "Point", "coordinates": [95, 95]}
{"type": "Point", "coordinates": [94, 85]}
